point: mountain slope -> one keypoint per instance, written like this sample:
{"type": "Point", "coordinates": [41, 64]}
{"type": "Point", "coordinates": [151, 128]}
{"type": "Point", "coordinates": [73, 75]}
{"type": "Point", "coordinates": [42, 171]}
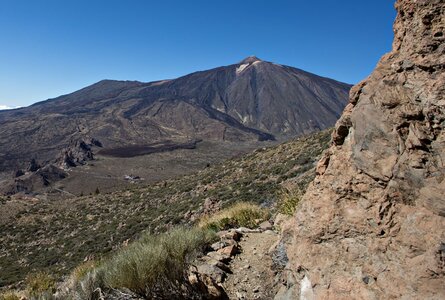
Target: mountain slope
{"type": "Point", "coordinates": [56, 235]}
{"type": "Point", "coordinates": [249, 101]}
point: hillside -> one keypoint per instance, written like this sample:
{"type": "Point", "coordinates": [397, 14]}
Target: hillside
{"type": "Point", "coordinates": [244, 103]}
{"type": "Point", "coordinates": [57, 235]}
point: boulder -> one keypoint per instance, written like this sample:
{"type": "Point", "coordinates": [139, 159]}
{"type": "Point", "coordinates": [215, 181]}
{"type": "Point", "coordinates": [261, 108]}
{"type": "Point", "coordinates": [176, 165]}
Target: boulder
{"type": "Point", "coordinates": [222, 257]}
{"type": "Point", "coordinates": [212, 270]}
{"type": "Point", "coordinates": [229, 250]}
{"type": "Point", "coordinates": [206, 285]}
{"type": "Point", "coordinates": [265, 226]}
{"type": "Point", "coordinates": [230, 235]}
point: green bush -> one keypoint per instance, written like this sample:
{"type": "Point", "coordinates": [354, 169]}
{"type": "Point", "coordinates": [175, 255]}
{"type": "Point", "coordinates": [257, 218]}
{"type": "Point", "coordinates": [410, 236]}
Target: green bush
{"type": "Point", "coordinates": [288, 201]}
{"type": "Point", "coordinates": [40, 285]}
{"type": "Point", "coordinates": [240, 214]}
{"type": "Point", "coordinates": [156, 265]}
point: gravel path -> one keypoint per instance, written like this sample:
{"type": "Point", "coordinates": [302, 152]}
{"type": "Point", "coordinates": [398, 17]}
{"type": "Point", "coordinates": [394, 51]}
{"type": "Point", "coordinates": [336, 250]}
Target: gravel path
{"type": "Point", "coordinates": [253, 276]}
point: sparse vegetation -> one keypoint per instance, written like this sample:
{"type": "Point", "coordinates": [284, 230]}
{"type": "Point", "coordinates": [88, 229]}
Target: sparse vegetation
{"type": "Point", "coordinates": [89, 286]}
{"type": "Point", "coordinates": [56, 236]}
{"type": "Point", "coordinates": [154, 267]}
{"type": "Point", "coordinates": [82, 270]}
{"type": "Point", "coordinates": [240, 214]}
{"type": "Point", "coordinates": [10, 295]}
{"type": "Point", "coordinates": [289, 200]}
{"type": "Point", "coordinates": [40, 285]}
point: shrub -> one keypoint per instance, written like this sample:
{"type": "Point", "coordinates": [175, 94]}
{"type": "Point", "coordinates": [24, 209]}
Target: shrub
{"type": "Point", "coordinates": [156, 265]}
{"type": "Point", "coordinates": [82, 270]}
{"type": "Point", "coordinates": [288, 201]}
{"type": "Point", "coordinates": [240, 214]}
{"type": "Point", "coordinates": [88, 287]}
{"type": "Point", "coordinates": [40, 285]}
{"type": "Point", "coordinates": [10, 295]}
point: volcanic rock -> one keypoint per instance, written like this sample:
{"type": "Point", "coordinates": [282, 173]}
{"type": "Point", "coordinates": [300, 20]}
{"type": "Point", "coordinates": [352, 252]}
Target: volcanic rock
{"type": "Point", "coordinates": [77, 153]}
{"type": "Point", "coordinates": [33, 166]}
{"type": "Point", "coordinates": [32, 181]}
{"type": "Point", "coordinates": [371, 225]}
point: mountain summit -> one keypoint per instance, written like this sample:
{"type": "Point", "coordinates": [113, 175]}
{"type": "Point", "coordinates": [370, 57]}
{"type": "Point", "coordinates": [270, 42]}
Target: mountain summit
{"type": "Point", "coordinates": [253, 100]}
{"type": "Point", "coordinates": [250, 59]}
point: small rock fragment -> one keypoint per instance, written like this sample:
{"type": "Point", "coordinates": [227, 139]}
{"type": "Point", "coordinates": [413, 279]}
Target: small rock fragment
{"type": "Point", "coordinates": [229, 250]}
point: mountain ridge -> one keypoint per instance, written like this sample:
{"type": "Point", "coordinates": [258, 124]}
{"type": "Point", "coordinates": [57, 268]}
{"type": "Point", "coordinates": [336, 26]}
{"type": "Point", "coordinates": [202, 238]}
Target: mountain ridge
{"type": "Point", "coordinates": [247, 102]}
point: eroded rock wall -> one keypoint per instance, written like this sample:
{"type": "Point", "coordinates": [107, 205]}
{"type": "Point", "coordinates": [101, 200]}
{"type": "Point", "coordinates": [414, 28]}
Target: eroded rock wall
{"type": "Point", "coordinates": [372, 224]}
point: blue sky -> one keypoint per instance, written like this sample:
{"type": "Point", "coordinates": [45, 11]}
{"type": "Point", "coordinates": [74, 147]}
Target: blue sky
{"type": "Point", "coordinates": [52, 47]}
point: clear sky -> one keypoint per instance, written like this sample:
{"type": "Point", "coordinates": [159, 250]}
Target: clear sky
{"type": "Point", "coordinates": [54, 47]}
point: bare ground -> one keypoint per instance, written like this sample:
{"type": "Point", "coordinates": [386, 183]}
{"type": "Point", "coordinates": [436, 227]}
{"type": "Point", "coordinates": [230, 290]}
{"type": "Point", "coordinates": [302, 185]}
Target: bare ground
{"type": "Point", "coordinates": [253, 275]}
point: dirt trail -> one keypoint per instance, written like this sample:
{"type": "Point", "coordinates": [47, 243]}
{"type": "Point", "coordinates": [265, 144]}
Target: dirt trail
{"type": "Point", "coordinates": [253, 276]}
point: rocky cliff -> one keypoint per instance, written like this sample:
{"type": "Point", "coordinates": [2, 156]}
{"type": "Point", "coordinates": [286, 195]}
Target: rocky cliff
{"type": "Point", "coordinates": [372, 224]}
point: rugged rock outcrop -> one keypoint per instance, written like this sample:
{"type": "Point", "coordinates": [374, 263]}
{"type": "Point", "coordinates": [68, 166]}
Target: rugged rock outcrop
{"type": "Point", "coordinates": [77, 153]}
{"type": "Point", "coordinates": [371, 225]}
{"type": "Point", "coordinates": [32, 181]}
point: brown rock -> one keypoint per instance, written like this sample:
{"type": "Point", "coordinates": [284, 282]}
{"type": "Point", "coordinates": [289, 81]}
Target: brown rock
{"type": "Point", "coordinates": [371, 225]}
{"type": "Point", "coordinates": [206, 285]}
{"type": "Point", "coordinates": [229, 250]}
{"type": "Point", "coordinates": [77, 153]}
{"type": "Point", "coordinates": [33, 166]}
{"type": "Point", "coordinates": [213, 271]}
{"type": "Point", "coordinates": [280, 219]}
{"type": "Point", "coordinates": [220, 265]}
{"type": "Point", "coordinates": [265, 226]}
{"type": "Point", "coordinates": [218, 245]}
{"type": "Point", "coordinates": [230, 235]}
{"type": "Point", "coordinates": [214, 290]}
{"type": "Point", "coordinates": [222, 257]}
{"type": "Point", "coordinates": [229, 242]}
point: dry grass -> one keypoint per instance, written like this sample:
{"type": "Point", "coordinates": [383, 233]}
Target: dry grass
{"type": "Point", "coordinates": [240, 214]}
{"type": "Point", "coordinates": [82, 270]}
{"type": "Point", "coordinates": [156, 265]}
{"type": "Point", "coordinates": [10, 295]}
{"type": "Point", "coordinates": [39, 285]}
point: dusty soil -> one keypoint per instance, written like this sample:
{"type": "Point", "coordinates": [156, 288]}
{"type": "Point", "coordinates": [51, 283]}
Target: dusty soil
{"type": "Point", "coordinates": [107, 172]}
{"type": "Point", "coordinates": [138, 150]}
{"type": "Point", "coordinates": [253, 276]}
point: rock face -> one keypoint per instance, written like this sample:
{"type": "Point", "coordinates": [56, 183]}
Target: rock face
{"type": "Point", "coordinates": [31, 181]}
{"type": "Point", "coordinates": [77, 153]}
{"type": "Point", "coordinates": [371, 225]}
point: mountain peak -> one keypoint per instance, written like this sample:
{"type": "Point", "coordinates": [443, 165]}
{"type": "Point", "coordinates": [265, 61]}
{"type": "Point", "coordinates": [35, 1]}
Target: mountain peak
{"type": "Point", "coordinates": [250, 59]}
